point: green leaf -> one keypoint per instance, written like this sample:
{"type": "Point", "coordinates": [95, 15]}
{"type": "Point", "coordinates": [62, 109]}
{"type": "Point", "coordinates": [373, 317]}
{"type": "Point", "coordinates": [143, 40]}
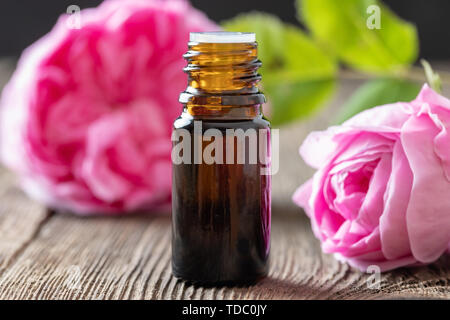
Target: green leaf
{"type": "Point", "coordinates": [343, 28]}
{"type": "Point", "coordinates": [376, 93]}
{"type": "Point", "coordinates": [297, 99]}
{"type": "Point", "coordinates": [298, 76]}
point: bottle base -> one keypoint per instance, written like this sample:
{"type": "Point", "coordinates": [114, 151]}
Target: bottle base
{"type": "Point", "coordinates": [242, 282]}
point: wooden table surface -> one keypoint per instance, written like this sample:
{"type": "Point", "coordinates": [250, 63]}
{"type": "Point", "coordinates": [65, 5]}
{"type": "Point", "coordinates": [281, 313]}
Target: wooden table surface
{"type": "Point", "coordinates": [56, 255]}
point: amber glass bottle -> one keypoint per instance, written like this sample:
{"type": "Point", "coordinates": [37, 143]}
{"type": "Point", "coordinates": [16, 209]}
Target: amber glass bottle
{"type": "Point", "coordinates": [221, 209]}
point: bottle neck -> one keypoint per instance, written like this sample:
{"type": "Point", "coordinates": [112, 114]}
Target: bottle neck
{"type": "Point", "coordinates": [222, 80]}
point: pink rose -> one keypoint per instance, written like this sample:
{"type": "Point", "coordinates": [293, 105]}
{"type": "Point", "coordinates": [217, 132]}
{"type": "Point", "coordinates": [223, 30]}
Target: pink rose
{"type": "Point", "coordinates": [381, 194]}
{"type": "Point", "coordinates": [86, 119]}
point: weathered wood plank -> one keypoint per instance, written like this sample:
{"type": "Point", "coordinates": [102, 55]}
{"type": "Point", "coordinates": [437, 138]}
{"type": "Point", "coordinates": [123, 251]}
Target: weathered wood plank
{"type": "Point", "coordinates": [129, 258]}
{"type": "Point", "coordinates": [20, 220]}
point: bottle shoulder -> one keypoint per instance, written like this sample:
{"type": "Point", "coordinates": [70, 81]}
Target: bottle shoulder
{"type": "Point", "coordinates": [186, 121]}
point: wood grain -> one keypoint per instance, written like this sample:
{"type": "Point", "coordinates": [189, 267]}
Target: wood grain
{"type": "Point", "coordinates": [48, 255]}
{"type": "Point", "coordinates": [20, 220]}
{"type": "Point", "coordinates": [129, 258]}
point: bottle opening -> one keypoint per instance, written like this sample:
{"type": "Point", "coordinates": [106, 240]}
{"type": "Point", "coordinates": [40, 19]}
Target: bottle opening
{"type": "Point", "coordinates": [222, 37]}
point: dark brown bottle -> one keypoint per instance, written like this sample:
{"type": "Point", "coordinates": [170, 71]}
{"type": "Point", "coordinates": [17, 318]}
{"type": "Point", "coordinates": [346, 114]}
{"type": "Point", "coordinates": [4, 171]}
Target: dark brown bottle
{"type": "Point", "coordinates": [221, 195]}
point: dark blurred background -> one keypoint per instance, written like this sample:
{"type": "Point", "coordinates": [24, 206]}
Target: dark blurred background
{"type": "Point", "coordinates": [24, 21]}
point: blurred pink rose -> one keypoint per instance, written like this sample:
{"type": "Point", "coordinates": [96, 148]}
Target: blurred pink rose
{"type": "Point", "coordinates": [87, 117]}
{"type": "Point", "coordinates": [381, 195]}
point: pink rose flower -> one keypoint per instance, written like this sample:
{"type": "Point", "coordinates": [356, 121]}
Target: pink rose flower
{"type": "Point", "coordinates": [381, 194]}
{"type": "Point", "coordinates": [86, 119]}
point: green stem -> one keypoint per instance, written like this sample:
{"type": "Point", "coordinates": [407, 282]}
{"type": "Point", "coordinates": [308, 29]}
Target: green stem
{"type": "Point", "coordinates": [414, 74]}
{"type": "Point", "coordinates": [432, 77]}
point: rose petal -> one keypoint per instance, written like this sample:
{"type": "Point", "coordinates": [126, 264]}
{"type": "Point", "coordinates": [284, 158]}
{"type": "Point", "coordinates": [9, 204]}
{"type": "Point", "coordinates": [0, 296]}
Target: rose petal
{"type": "Point", "coordinates": [393, 228]}
{"type": "Point", "coordinates": [372, 207]}
{"type": "Point", "coordinates": [387, 118]}
{"type": "Point", "coordinates": [427, 217]}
